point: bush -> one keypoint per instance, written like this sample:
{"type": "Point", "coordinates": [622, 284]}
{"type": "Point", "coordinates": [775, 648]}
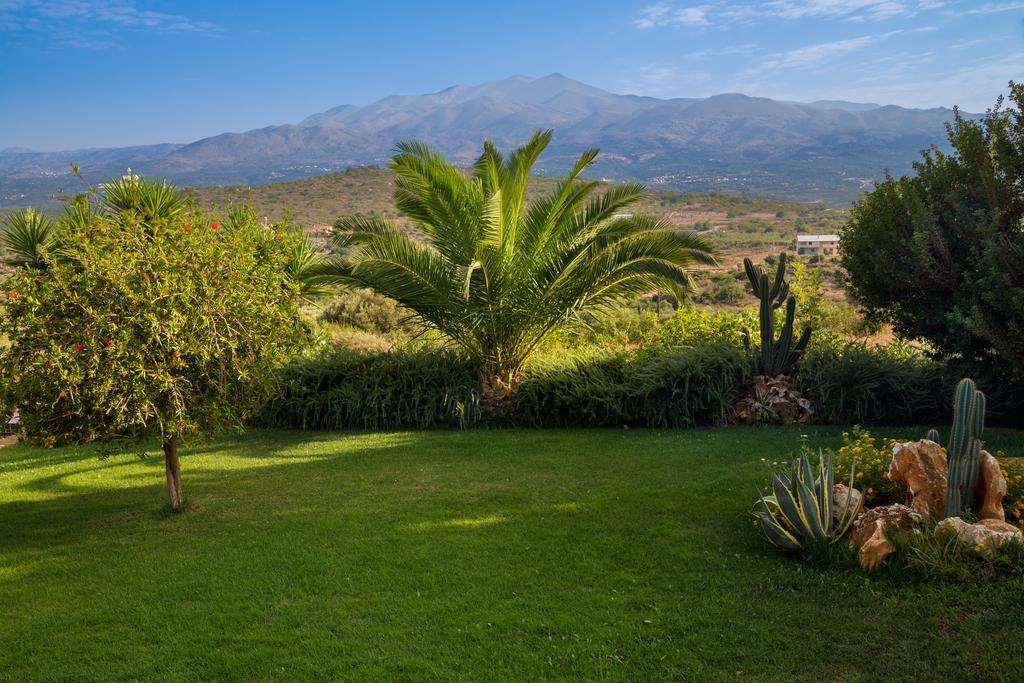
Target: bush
{"type": "Point", "coordinates": [937, 254]}
{"type": "Point", "coordinates": [857, 384]}
{"type": "Point", "coordinates": [403, 389]}
{"type": "Point", "coordinates": [428, 388]}
{"type": "Point", "coordinates": [362, 309]}
{"type": "Point", "coordinates": [872, 457]}
{"type": "Point", "coordinates": [699, 327]}
{"type": "Point", "coordinates": [620, 327]}
{"type": "Point", "coordinates": [664, 388]}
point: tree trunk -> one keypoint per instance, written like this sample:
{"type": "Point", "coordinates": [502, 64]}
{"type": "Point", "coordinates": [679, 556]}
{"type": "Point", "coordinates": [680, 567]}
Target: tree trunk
{"type": "Point", "coordinates": [497, 393]}
{"type": "Point", "coordinates": [173, 468]}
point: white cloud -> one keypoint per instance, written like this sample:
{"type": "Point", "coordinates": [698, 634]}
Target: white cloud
{"type": "Point", "coordinates": [995, 7]}
{"type": "Point", "coordinates": [817, 54]}
{"type": "Point", "coordinates": [668, 14]}
{"type": "Point", "coordinates": [81, 17]}
{"type": "Point", "coordinates": [875, 9]}
{"type": "Point", "coordinates": [665, 14]}
{"type": "Point", "coordinates": [973, 86]}
{"type": "Point", "coordinates": [665, 80]}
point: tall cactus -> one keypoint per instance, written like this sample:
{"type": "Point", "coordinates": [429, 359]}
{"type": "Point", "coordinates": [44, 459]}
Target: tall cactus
{"type": "Point", "coordinates": [964, 446]}
{"type": "Point", "coordinates": [774, 357]}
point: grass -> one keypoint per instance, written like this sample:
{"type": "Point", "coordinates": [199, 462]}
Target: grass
{"type": "Point", "coordinates": [472, 555]}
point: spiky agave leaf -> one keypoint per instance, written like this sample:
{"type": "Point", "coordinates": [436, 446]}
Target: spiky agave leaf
{"type": "Point", "coordinates": [800, 507]}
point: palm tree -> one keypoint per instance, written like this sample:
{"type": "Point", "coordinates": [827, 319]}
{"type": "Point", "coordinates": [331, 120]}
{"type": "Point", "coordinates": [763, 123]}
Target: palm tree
{"type": "Point", "coordinates": [498, 274]}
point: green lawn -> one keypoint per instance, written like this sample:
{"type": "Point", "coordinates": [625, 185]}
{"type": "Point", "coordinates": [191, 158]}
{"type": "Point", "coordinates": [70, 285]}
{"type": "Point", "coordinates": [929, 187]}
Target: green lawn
{"type": "Point", "coordinates": [477, 555]}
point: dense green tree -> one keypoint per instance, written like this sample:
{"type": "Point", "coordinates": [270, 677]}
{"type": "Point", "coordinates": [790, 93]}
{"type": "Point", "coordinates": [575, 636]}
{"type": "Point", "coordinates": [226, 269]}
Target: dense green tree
{"type": "Point", "coordinates": [940, 254]}
{"type": "Point", "coordinates": [497, 274]}
{"type": "Point", "coordinates": [139, 315]}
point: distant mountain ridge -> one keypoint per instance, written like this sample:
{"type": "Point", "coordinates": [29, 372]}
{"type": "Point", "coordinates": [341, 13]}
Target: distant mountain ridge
{"type": "Point", "coordinates": [731, 142]}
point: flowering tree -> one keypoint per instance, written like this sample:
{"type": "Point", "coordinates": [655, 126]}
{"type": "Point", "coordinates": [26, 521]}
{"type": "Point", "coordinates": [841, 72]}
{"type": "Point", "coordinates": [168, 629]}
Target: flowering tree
{"type": "Point", "coordinates": [142, 316]}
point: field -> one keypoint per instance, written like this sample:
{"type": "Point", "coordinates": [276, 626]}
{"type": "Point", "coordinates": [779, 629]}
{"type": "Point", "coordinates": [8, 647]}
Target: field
{"type": "Point", "coordinates": [475, 555]}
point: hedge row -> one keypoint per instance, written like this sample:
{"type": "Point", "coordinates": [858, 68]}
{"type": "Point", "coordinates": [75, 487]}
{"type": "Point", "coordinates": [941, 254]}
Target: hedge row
{"type": "Point", "coordinates": [667, 388]}
{"type": "Point", "coordinates": [435, 388]}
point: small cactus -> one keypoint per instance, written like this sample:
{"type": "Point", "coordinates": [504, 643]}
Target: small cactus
{"type": "Point", "coordinates": [933, 435]}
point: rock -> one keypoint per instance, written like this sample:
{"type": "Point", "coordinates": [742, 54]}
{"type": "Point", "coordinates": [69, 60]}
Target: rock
{"type": "Point", "coordinates": [869, 538]}
{"type": "Point", "coordinates": [990, 489]}
{"type": "Point", "coordinates": [840, 493]}
{"type": "Point", "coordinates": [772, 400]}
{"type": "Point", "coordinates": [990, 533]}
{"type": "Point", "coordinates": [920, 467]}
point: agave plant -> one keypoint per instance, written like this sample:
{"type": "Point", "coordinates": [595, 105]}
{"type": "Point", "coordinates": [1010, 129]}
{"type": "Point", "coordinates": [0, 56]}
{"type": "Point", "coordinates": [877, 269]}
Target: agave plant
{"type": "Point", "coordinates": [800, 510]}
{"type": "Point", "coordinates": [496, 273]}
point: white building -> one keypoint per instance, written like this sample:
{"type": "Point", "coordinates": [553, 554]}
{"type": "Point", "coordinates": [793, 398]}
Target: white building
{"type": "Point", "coordinates": [817, 245]}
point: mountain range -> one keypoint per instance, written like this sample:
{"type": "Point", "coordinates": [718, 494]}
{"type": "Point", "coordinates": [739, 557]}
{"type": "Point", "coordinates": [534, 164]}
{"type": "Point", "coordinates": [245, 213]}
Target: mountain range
{"type": "Point", "coordinates": [825, 150]}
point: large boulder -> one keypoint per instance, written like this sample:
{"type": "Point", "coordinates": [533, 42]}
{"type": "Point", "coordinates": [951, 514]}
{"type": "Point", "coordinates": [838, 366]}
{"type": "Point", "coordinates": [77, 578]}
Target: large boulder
{"type": "Point", "coordinates": [920, 467]}
{"type": "Point", "coordinates": [990, 489]}
{"type": "Point", "coordinates": [988, 533]}
{"type": "Point", "coordinates": [869, 536]}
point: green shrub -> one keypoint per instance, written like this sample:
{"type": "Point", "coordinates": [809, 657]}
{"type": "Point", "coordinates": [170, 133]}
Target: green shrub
{"type": "Point", "coordinates": [428, 388]}
{"type": "Point", "coordinates": [619, 327]}
{"type": "Point", "coordinates": [857, 384]}
{"type": "Point", "coordinates": [362, 309]}
{"type": "Point", "coordinates": [402, 389]}
{"type": "Point", "coordinates": [698, 327]}
{"type": "Point", "coordinates": [665, 388]}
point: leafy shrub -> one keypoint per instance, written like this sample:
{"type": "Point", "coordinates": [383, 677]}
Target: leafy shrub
{"type": "Point", "coordinates": [362, 309]}
{"type": "Point", "coordinates": [698, 327]}
{"type": "Point", "coordinates": [429, 387]}
{"type": "Point", "coordinates": [392, 390]}
{"type": "Point", "coordinates": [870, 458]}
{"type": "Point", "coordinates": [857, 384]}
{"type": "Point", "coordinates": [664, 388]}
{"type": "Point", "coordinates": [937, 254]}
{"type": "Point", "coordinates": [622, 327]}
{"type": "Point", "coordinates": [1013, 501]}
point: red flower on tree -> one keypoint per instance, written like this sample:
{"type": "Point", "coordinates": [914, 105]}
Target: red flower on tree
{"type": "Point", "coordinates": [215, 225]}
{"type": "Point", "coordinates": [106, 341]}
{"type": "Point", "coordinates": [78, 348]}
{"type": "Point", "coordinates": [188, 228]}
{"type": "Point", "coordinates": [12, 295]}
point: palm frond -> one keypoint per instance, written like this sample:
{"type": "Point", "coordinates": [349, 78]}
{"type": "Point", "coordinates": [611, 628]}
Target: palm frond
{"type": "Point", "coordinates": [497, 274]}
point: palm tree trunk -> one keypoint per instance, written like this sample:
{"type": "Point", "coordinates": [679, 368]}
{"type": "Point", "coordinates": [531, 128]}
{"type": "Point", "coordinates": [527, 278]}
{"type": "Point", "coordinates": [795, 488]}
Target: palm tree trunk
{"type": "Point", "coordinates": [497, 393]}
{"type": "Point", "coordinates": [172, 467]}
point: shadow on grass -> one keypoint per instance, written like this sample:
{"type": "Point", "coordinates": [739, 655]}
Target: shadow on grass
{"type": "Point", "coordinates": [72, 508]}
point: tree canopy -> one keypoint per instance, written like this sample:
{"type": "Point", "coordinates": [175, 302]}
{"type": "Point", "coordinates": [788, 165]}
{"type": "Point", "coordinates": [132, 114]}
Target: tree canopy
{"type": "Point", "coordinates": [141, 315]}
{"type": "Point", "coordinates": [940, 254]}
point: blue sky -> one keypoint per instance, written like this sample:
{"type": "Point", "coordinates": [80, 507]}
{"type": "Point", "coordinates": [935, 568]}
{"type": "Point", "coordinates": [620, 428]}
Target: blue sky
{"type": "Point", "coordinates": [89, 73]}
